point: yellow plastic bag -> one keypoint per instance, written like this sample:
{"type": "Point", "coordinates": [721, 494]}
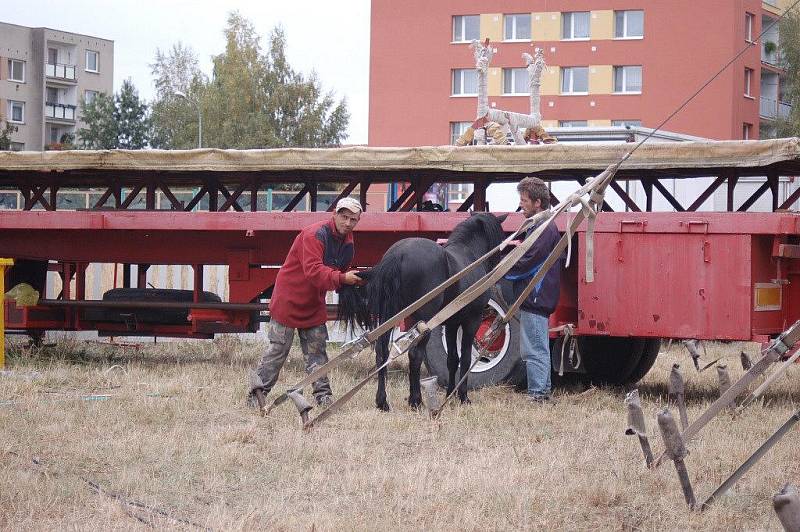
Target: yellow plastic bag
{"type": "Point", "coordinates": [24, 295]}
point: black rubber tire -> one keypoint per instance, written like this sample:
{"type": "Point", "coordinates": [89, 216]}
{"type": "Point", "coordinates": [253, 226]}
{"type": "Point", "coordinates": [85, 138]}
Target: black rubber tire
{"type": "Point", "coordinates": [509, 368]}
{"type": "Point", "coordinates": [616, 360]}
{"type": "Point", "coordinates": [652, 346]}
{"type": "Point", "coordinates": [145, 315]}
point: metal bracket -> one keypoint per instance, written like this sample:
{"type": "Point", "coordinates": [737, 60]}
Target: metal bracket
{"type": "Point", "coordinates": [408, 340]}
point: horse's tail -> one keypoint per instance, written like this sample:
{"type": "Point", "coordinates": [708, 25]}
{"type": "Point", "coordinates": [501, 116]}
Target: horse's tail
{"type": "Point", "coordinates": [383, 291]}
{"type": "Point", "coordinates": [353, 308]}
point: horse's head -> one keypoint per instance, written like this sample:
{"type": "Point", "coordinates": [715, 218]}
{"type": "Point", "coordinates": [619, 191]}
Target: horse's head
{"type": "Point", "coordinates": [481, 231]}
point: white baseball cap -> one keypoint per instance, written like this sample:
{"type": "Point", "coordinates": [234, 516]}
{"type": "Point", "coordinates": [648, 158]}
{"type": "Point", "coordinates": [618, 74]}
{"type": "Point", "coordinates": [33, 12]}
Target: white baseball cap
{"type": "Point", "coordinates": [351, 204]}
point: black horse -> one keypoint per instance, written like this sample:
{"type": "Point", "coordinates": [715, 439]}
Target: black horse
{"type": "Point", "coordinates": [412, 268]}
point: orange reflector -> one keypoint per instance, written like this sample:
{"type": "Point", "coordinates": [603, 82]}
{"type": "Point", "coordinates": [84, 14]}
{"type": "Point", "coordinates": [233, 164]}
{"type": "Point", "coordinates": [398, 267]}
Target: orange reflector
{"type": "Point", "coordinates": [767, 297]}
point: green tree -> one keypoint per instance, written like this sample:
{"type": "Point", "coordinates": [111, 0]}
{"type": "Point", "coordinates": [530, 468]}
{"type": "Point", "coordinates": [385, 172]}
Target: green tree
{"type": "Point", "coordinates": [174, 118]}
{"type": "Point", "coordinates": [132, 118]}
{"type": "Point", "coordinates": [254, 99]}
{"type": "Point", "coordinates": [789, 46]}
{"type": "Point", "coordinates": [120, 121]}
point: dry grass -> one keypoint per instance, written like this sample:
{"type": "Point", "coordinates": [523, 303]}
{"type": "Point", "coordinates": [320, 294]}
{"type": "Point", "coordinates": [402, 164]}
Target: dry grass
{"type": "Point", "coordinates": [175, 434]}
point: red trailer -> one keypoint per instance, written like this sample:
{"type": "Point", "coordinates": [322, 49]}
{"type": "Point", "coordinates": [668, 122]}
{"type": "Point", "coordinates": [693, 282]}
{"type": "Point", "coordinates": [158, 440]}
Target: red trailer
{"type": "Point", "coordinates": [683, 274]}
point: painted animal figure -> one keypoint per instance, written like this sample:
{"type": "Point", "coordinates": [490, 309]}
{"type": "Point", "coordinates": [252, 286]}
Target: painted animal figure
{"type": "Point", "coordinates": [412, 268]}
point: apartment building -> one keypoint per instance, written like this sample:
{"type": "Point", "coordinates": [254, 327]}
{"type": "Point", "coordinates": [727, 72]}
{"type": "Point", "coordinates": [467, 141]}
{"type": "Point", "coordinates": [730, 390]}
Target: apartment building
{"type": "Point", "coordinates": [44, 75]}
{"type": "Point", "coordinates": [611, 62]}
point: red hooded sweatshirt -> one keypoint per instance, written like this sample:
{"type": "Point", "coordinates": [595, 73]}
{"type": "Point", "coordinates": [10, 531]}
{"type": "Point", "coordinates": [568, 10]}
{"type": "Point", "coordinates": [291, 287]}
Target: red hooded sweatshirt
{"type": "Point", "coordinates": [315, 264]}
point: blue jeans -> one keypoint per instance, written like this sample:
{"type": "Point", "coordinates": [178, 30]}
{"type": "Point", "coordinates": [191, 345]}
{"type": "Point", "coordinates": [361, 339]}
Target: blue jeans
{"type": "Point", "coordinates": [535, 352]}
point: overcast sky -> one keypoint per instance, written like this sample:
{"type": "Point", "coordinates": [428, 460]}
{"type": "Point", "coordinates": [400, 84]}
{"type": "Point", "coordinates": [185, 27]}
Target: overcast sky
{"type": "Point", "coordinates": [329, 37]}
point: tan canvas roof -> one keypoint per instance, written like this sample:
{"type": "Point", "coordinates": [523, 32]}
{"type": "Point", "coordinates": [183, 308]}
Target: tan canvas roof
{"type": "Point", "coordinates": [491, 159]}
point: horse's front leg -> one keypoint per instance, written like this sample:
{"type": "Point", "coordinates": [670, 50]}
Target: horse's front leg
{"type": "Point", "coordinates": [415, 357]}
{"type": "Point", "coordinates": [450, 332]}
{"type": "Point", "coordinates": [469, 330]}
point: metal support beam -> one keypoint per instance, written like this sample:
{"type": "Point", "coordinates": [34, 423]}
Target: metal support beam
{"type": "Point", "coordinates": [732, 179]}
{"type": "Point", "coordinates": [297, 198]}
{"type": "Point", "coordinates": [707, 193]}
{"type": "Point", "coordinates": [752, 199]}
{"type": "Point", "coordinates": [623, 196]}
{"type": "Point", "coordinates": [668, 196]}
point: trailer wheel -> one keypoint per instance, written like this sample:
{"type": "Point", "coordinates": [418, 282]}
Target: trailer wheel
{"type": "Point", "coordinates": [615, 359]}
{"type": "Point", "coordinates": [652, 346]}
{"type": "Point", "coordinates": [146, 315]}
{"type": "Point", "coordinates": [502, 363]}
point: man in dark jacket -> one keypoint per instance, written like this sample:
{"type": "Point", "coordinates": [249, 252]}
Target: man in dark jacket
{"type": "Point", "coordinates": [534, 197]}
{"type": "Point", "coordinates": [317, 262]}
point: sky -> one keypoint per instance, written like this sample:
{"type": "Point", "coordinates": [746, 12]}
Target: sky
{"type": "Point", "coordinates": [328, 37]}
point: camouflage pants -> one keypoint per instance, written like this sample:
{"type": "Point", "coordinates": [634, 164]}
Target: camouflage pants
{"type": "Point", "coordinates": [312, 342]}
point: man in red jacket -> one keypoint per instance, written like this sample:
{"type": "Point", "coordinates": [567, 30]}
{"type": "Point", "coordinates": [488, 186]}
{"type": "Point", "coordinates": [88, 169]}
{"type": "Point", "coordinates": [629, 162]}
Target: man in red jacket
{"type": "Point", "coordinates": [317, 262]}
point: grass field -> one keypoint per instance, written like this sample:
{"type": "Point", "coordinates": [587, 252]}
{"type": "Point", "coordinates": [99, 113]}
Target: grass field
{"type": "Point", "coordinates": [165, 427]}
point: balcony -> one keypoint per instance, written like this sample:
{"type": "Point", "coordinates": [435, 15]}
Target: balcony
{"type": "Point", "coordinates": [60, 72]}
{"type": "Point", "coordinates": [60, 112]}
{"type": "Point", "coordinates": [772, 109]}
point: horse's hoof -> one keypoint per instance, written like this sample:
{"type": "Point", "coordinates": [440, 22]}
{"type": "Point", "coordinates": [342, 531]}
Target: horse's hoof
{"type": "Point", "coordinates": [416, 404]}
{"type": "Point", "coordinates": [384, 406]}
{"type": "Point", "coordinates": [465, 400]}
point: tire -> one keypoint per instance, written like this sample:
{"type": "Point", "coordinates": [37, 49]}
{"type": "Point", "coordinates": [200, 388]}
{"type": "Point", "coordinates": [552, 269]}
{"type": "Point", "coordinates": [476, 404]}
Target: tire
{"type": "Point", "coordinates": [652, 346]}
{"type": "Point", "coordinates": [145, 315]}
{"type": "Point", "coordinates": [617, 360]}
{"type": "Point", "coordinates": [504, 367]}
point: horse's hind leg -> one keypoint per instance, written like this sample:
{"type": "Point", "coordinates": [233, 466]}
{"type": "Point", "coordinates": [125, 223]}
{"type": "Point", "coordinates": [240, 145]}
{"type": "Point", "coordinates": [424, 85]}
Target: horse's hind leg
{"type": "Point", "coordinates": [452, 356]}
{"type": "Point", "coordinates": [469, 329]}
{"type": "Point", "coordinates": [381, 355]}
{"type": "Point", "coordinates": [415, 357]}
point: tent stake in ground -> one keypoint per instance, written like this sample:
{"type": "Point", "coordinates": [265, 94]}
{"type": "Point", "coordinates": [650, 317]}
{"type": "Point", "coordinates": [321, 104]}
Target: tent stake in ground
{"type": "Point", "coordinates": [676, 451]}
{"type": "Point", "coordinates": [772, 354]}
{"type": "Point", "coordinates": [724, 379]}
{"type": "Point", "coordinates": [755, 457]}
{"type": "Point", "coordinates": [677, 393]}
{"type": "Point", "coordinates": [758, 392]}
{"type": "Point", "coordinates": [636, 425]}
{"type": "Point", "coordinates": [787, 505]}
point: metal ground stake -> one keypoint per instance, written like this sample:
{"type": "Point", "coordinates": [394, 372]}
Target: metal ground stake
{"type": "Point", "coordinates": [755, 457]}
{"type": "Point", "coordinates": [636, 425]}
{"type": "Point", "coordinates": [747, 363]}
{"type": "Point", "coordinates": [303, 406]}
{"type": "Point", "coordinates": [677, 390]}
{"type": "Point", "coordinates": [787, 505]}
{"type": "Point", "coordinates": [676, 451]}
{"type": "Point", "coordinates": [430, 394]}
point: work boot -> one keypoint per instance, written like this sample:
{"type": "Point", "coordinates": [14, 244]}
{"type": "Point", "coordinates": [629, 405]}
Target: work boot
{"type": "Point", "coordinates": [324, 401]}
{"type": "Point", "coordinates": [540, 399]}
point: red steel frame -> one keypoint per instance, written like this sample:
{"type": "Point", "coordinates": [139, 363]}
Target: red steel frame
{"type": "Point", "coordinates": [657, 274]}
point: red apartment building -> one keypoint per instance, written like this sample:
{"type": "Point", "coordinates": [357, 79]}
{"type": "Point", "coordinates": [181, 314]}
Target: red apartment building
{"type": "Point", "coordinates": [610, 62]}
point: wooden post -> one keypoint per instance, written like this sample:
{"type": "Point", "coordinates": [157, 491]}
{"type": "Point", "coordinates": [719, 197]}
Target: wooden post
{"type": "Point", "coordinates": [677, 393]}
{"type": "Point", "coordinates": [724, 379]}
{"type": "Point", "coordinates": [636, 425]}
{"type": "Point", "coordinates": [4, 263]}
{"type": "Point", "coordinates": [787, 505]}
{"type": "Point", "coordinates": [676, 451]}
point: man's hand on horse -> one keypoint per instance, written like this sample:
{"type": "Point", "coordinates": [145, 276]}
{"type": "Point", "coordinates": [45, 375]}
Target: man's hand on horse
{"type": "Point", "coordinates": [352, 277]}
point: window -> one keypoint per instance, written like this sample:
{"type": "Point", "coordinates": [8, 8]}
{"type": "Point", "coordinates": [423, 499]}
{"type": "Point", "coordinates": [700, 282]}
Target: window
{"type": "Point", "coordinates": [16, 111]}
{"type": "Point", "coordinates": [748, 27]}
{"type": "Point", "coordinates": [89, 96]}
{"type": "Point", "coordinates": [572, 123]}
{"type": "Point", "coordinates": [628, 24]}
{"type": "Point", "coordinates": [624, 123]}
{"type": "Point", "coordinates": [55, 134]}
{"type": "Point", "coordinates": [628, 79]}
{"type": "Point", "coordinates": [52, 95]}
{"type": "Point", "coordinates": [16, 70]}
{"type": "Point", "coordinates": [52, 56]}
{"type": "Point", "coordinates": [458, 192]}
{"type": "Point", "coordinates": [746, 129]}
{"type": "Point", "coordinates": [748, 80]}
{"type": "Point", "coordinates": [575, 25]}
{"type": "Point", "coordinates": [457, 129]}
{"type": "Point", "coordinates": [466, 28]}
{"type": "Point", "coordinates": [465, 82]}
{"type": "Point", "coordinates": [17, 146]}
{"type": "Point", "coordinates": [517, 27]}
{"type": "Point", "coordinates": [515, 81]}
{"type": "Point", "coordinates": [92, 61]}
{"type": "Point", "coordinates": [575, 80]}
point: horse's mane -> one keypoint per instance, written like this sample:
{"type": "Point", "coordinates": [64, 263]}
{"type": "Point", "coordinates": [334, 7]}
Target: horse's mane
{"type": "Point", "coordinates": [480, 228]}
